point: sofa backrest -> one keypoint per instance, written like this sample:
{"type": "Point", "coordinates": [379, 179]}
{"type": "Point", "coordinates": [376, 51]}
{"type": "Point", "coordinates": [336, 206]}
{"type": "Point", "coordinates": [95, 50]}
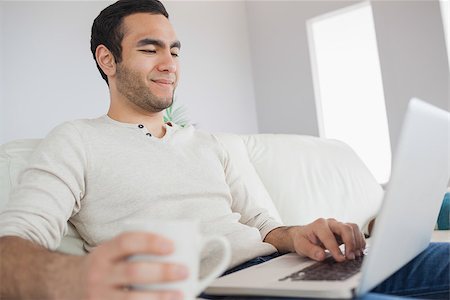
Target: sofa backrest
{"type": "Point", "coordinates": [296, 178]}
{"type": "Point", "coordinates": [308, 177]}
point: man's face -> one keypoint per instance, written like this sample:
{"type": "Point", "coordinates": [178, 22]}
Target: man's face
{"type": "Point", "coordinates": [148, 73]}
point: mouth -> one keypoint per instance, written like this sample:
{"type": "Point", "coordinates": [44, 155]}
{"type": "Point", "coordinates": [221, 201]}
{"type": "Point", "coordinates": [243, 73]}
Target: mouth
{"type": "Point", "coordinates": [163, 82]}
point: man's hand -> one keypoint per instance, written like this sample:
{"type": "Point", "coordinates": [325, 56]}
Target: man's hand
{"type": "Point", "coordinates": [313, 239]}
{"type": "Point", "coordinates": [107, 273]}
{"type": "Point", "coordinates": [29, 271]}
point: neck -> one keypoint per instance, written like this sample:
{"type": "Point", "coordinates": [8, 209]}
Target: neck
{"type": "Point", "coordinates": [153, 121]}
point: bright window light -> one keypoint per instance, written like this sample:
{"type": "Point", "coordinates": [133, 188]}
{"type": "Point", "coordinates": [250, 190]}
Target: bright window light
{"type": "Point", "coordinates": [348, 86]}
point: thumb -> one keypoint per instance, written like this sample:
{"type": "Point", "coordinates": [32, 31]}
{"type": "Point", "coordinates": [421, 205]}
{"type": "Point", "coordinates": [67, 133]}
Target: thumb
{"type": "Point", "coordinates": [305, 247]}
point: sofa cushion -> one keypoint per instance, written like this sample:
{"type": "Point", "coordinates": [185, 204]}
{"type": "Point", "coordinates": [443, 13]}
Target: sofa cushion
{"type": "Point", "coordinates": [309, 177]}
{"type": "Point", "coordinates": [237, 150]}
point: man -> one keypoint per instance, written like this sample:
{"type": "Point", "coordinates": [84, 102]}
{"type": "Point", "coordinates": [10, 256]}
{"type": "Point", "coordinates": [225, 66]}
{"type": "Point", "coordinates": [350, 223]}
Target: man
{"type": "Point", "coordinates": [128, 164]}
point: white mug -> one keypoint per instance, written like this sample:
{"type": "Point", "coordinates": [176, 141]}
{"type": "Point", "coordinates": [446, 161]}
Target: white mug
{"type": "Point", "coordinates": [188, 245]}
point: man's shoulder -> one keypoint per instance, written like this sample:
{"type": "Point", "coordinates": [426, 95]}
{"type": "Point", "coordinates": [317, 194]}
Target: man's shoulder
{"type": "Point", "coordinates": [198, 134]}
{"type": "Point", "coordinates": [70, 133]}
{"type": "Point", "coordinates": [77, 126]}
{"type": "Point", "coordinates": [84, 123]}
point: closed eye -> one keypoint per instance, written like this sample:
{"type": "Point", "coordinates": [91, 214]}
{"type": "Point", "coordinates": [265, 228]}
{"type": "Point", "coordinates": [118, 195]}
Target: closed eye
{"type": "Point", "coordinates": [154, 51]}
{"type": "Point", "coordinates": [148, 51]}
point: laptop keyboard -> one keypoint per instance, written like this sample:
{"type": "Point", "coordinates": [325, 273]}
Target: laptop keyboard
{"type": "Point", "coordinates": [327, 269]}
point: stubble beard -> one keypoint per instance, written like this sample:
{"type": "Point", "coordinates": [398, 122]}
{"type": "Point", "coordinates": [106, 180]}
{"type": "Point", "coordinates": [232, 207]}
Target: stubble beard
{"type": "Point", "coordinates": [130, 84]}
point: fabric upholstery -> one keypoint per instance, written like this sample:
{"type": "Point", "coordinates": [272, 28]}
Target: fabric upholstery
{"type": "Point", "coordinates": [309, 177]}
{"type": "Point", "coordinates": [296, 178]}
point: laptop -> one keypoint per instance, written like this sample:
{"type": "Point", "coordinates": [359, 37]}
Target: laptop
{"type": "Point", "coordinates": [403, 227]}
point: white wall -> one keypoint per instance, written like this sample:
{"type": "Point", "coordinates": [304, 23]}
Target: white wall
{"type": "Point", "coordinates": [411, 47]}
{"type": "Point", "coordinates": [281, 63]}
{"type": "Point", "coordinates": [216, 81]}
{"type": "Point", "coordinates": [50, 75]}
{"type": "Point", "coordinates": [413, 56]}
{"type": "Point", "coordinates": [233, 53]}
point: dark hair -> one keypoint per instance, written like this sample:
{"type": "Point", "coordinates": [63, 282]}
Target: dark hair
{"type": "Point", "coordinates": [107, 27]}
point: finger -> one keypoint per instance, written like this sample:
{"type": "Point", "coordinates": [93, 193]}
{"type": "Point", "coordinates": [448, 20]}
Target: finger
{"type": "Point", "coordinates": [357, 236]}
{"type": "Point", "coordinates": [131, 243]}
{"type": "Point", "coordinates": [326, 236]}
{"type": "Point", "coordinates": [360, 242]}
{"type": "Point", "coordinates": [359, 239]}
{"type": "Point", "coordinates": [139, 272]}
{"type": "Point", "coordinates": [304, 246]}
{"type": "Point", "coordinates": [346, 233]}
{"type": "Point", "coordinates": [150, 295]}
{"type": "Point", "coordinates": [363, 243]}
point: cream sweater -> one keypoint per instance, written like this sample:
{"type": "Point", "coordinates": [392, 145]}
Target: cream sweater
{"type": "Point", "coordinates": [100, 173]}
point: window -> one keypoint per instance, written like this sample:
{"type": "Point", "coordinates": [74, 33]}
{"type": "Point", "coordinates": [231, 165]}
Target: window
{"type": "Point", "coordinates": [348, 85]}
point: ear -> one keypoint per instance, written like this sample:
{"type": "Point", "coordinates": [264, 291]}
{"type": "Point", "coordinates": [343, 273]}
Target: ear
{"type": "Point", "coordinates": [105, 60]}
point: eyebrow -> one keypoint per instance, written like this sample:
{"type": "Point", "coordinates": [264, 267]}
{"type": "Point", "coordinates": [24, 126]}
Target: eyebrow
{"type": "Point", "coordinates": [158, 43]}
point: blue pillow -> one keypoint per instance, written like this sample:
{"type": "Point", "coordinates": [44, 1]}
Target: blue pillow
{"type": "Point", "coordinates": [443, 222]}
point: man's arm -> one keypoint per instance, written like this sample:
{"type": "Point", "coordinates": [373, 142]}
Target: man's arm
{"type": "Point", "coordinates": [28, 271]}
{"type": "Point", "coordinates": [311, 240]}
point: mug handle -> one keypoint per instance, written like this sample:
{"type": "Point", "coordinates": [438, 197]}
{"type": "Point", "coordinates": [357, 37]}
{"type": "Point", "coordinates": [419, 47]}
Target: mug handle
{"type": "Point", "coordinates": [221, 266]}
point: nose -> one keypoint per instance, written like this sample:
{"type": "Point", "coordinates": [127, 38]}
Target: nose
{"type": "Point", "coordinates": [167, 63]}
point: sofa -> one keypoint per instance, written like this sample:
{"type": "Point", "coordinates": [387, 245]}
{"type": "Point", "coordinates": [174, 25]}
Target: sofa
{"type": "Point", "coordinates": [296, 178]}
